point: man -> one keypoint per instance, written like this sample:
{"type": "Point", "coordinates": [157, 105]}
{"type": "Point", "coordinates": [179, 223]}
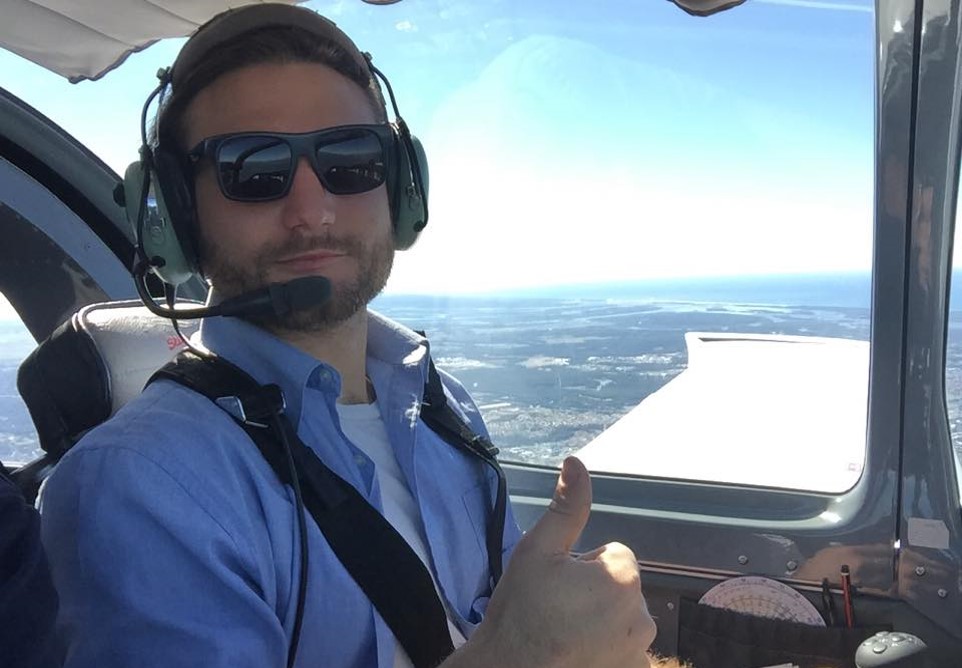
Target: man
{"type": "Point", "coordinates": [173, 542]}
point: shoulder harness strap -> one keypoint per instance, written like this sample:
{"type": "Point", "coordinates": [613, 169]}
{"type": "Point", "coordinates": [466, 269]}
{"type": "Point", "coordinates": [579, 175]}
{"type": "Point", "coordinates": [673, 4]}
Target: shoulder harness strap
{"type": "Point", "coordinates": [379, 560]}
{"type": "Point", "coordinates": [443, 420]}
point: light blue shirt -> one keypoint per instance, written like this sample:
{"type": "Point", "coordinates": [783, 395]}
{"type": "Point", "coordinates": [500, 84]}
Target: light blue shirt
{"type": "Point", "coordinates": [172, 543]}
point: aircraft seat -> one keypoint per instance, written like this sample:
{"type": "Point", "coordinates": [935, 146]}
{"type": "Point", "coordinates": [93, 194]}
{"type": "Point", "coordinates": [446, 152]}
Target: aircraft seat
{"type": "Point", "coordinates": [85, 371]}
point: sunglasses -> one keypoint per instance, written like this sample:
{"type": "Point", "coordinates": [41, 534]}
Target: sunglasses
{"type": "Point", "coordinates": [260, 166]}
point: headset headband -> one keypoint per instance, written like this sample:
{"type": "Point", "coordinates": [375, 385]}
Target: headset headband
{"type": "Point", "coordinates": [233, 23]}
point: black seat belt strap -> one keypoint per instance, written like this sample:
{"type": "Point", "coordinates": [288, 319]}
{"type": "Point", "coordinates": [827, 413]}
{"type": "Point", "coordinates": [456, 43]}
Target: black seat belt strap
{"type": "Point", "coordinates": [438, 414]}
{"type": "Point", "coordinates": [379, 560]}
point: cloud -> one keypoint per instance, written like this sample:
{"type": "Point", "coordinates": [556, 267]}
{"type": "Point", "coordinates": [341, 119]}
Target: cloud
{"type": "Point", "coordinates": [406, 26]}
{"type": "Point", "coordinates": [562, 163]}
{"type": "Point", "coordinates": [462, 363]}
{"type": "Point", "coordinates": [542, 361]}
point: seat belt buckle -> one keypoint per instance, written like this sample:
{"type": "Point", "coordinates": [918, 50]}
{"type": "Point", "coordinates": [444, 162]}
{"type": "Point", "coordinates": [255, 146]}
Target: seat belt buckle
{"type": "Point", "coordinates": [255, 409]}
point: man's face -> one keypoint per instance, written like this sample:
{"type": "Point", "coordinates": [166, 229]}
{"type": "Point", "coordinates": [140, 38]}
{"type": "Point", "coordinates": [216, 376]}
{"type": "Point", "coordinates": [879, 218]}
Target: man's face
{"type": "Point", "coordinates": [310, 232]}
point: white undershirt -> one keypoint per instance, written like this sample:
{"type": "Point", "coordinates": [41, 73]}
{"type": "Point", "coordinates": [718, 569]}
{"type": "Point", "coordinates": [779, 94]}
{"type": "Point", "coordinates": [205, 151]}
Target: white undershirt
{"type": "Point", "coordinates": [362, 424]}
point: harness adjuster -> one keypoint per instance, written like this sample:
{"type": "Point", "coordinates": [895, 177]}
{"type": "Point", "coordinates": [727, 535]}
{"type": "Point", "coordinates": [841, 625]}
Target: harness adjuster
{"type": "Point", "coordinates": [255, 409]}
{"type": "Point", "coordinates": [481, 442]}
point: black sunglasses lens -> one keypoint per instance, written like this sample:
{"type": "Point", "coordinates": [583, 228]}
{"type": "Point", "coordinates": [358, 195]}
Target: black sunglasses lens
{"type": "Point", "coordinates": [254, 168]}
{"type": "Point", "coordinates": [352, 163]}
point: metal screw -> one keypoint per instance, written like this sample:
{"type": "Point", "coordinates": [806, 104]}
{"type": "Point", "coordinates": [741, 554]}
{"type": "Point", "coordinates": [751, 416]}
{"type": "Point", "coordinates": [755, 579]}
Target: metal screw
{"type": "Point", "coordinates": [943, 593]}
{"type": "Point", "coordinates": [742, 559]}
{"type": "Point", "coordinates": [671, 606]}
{"type": "Point", "coordinates": [920, 570]}
{"type": "Point", "coordinates": [792, 565]}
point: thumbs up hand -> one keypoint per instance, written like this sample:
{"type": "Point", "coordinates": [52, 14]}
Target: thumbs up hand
{"type": "Point", "coordinates": [551, 610]}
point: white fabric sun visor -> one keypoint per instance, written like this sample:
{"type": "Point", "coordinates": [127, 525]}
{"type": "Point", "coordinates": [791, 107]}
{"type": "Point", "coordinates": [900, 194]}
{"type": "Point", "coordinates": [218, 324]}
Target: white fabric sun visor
{"type": "Point", "coordinates": [85, 40]}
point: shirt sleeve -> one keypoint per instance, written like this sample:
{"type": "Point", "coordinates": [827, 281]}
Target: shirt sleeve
{"type": "Point", "coordinates": [148, 574]}
{"type": "Point", "coordinates": [28, 601]}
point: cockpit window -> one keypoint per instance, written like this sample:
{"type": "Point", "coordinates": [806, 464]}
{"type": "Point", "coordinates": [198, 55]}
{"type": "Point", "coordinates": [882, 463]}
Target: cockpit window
{"type": "Point", "coordinates": [953, 352]}
{"type": "Point", "coordinates": [18, 438]}
{"type": "Point", "coordinates": [650, 237]}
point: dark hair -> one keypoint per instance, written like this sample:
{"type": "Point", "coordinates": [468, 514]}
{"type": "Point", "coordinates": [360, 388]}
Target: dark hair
{"type": "Point", "coordinates": [265, 45]}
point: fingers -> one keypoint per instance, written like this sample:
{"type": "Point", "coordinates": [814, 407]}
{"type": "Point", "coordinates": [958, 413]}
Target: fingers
{"type": "Point", "coordinates": [617, 563]}
{"type": "Point", "coordinates": [649, 629]}
{"type": "Point", "coordinates": [640, 634]}
{"type": "Point", "coordinates": [562, 524]}
{"type": "Point", "coordinates": [643, 631]}
{"type": "Point", "coordinates": [612, 552]}
{"type": "Point", "coordinates": [593, 554]}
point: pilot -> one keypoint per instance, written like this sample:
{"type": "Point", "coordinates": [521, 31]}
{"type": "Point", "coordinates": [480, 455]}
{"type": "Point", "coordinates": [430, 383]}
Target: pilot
{"type": "Point", "coordinates": [172, 542]}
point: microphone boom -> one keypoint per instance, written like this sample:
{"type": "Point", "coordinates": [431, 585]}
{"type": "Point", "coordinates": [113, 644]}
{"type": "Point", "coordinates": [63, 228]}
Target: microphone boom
{"type": "Point", "coordinates": [277, 299]}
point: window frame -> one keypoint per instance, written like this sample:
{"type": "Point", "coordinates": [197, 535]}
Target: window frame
{"type": "Point", "coordinates": [63, 190]}
{"type": "Point", "coordinates": [928, 566]}
{"type": "Point", "coordinates": [713, 530]}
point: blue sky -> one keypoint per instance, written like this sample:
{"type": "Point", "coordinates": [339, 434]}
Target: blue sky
{"type": "Point", "coordinates": [584, 142]}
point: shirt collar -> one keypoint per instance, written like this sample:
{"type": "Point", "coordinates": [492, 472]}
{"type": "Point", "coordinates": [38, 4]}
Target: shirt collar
{"type": "Point", "coordinates": [393, 343]}
{"type": "Point", "coordinates": [268, 359]}
{"type": "Point", "coordinates": [265, 357]}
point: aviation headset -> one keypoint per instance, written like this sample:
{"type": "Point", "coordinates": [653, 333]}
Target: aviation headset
{"type": "Point", "coordinates": [166, 242]}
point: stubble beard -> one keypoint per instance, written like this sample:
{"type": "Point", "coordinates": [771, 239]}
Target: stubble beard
{"type": "Point", "coordinates": [232, 278]}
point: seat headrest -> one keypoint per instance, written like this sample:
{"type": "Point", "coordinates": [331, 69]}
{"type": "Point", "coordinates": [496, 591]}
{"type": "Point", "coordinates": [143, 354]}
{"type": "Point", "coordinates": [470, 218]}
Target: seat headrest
{"type": "Point", "coordinates": [91, 366]}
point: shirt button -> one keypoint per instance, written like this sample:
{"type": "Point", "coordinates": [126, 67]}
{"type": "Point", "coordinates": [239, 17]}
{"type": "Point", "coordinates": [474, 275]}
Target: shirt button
{"type": "Point", "coordinates": [360, 460]}
{"type": "Point", "coordinates": [324, 376]}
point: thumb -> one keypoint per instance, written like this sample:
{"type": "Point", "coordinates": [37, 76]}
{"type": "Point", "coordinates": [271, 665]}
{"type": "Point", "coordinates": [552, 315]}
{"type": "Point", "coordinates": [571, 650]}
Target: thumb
{"type": "Point", "coordinates": [562, 524]}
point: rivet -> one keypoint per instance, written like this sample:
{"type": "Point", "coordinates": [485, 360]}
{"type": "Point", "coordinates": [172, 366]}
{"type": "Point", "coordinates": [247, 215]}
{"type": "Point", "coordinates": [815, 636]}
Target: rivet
{"type": "Point", "coordinates": [792, 565]}
{"type": "Point", "coordinates": [742, 559]}
{"type": "Point", "coordinates": [943, 593]}
{"type": "Point", "coordinates": [920, 570]}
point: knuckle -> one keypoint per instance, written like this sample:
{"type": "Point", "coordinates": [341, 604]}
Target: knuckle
{"type": "Point", "coordinates": [621, 552]}
{"type": "Point", "coordinates": [650, 631]}
{"type": "Point", "coordinates": [623, 573]}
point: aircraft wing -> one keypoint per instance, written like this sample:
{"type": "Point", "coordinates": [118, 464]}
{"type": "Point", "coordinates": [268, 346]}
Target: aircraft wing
{"type": "Point", "coordinates": [750, 409]}
{"type": "Point", "coordinates": [85, 40]}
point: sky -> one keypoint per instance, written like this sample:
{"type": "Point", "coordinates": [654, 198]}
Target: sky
{"type": "Point", "coordinates": [582, 142]}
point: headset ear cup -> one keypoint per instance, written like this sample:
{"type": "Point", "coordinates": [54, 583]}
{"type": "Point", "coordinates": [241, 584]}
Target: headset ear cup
{"type": "Point", "coordinates": [157, 238]}
{"type": "Point", "coordinates": [171, 237]}
{"type": "Point", "coordinates": [133, 192]}
{"type": "Point", "coordinates": [410, 192]}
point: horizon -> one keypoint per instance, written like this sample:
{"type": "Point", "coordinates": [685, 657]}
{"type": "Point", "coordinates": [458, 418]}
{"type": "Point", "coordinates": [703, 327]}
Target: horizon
{"type": "Point", "coordinates": [741, 290]}
{"type": "Point", "coordinates": [857, 282]}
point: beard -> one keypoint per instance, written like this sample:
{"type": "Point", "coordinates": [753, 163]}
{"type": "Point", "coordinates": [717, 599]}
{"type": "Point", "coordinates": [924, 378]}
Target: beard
{"type": "Point", "coordinates": [231, 278]}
